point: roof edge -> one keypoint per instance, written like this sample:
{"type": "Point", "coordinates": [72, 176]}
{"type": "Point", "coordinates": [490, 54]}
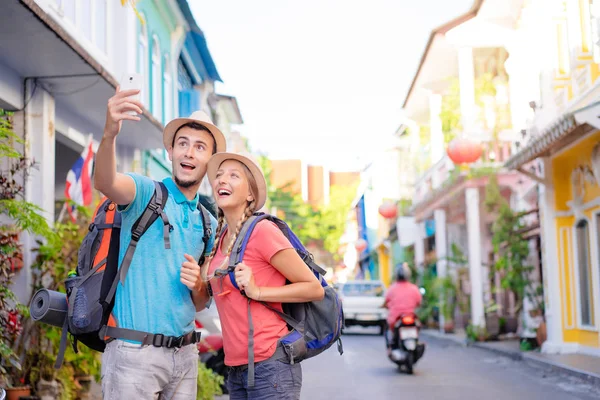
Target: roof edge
{"type": "Point", "coordinates": [442, 29]}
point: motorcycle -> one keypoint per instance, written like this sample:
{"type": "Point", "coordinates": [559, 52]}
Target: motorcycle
{"type": "Point", "coordinates": [210, 349]}
{"type": "Point", "coordinates": [404, 348]}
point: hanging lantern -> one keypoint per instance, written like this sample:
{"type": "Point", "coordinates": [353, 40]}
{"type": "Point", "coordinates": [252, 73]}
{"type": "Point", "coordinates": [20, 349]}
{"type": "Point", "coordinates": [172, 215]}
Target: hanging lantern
{"type": "Point", "coordinates": [464, 151]}
{"type": "Point", "coordinates": [360, 245]}
{"type": "Point", "coordinates": [388, 210]}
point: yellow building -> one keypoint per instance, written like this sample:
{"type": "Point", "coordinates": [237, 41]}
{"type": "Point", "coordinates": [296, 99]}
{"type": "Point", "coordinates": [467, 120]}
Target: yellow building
{"type": "Point", "coordinates": [561, 150]}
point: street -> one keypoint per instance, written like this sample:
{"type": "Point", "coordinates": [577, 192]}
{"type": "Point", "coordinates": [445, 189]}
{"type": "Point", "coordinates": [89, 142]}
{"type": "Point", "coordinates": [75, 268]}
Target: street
{"type": "Point", "coordinates": [445, 372]}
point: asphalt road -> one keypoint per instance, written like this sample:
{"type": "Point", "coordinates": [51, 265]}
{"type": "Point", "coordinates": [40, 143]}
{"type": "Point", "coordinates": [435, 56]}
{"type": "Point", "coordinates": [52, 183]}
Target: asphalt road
{"type": "Point", "coordinates": [447, 371]}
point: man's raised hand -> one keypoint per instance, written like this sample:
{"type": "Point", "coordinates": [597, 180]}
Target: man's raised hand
{"type": "Point", "coordinates": [118, 107]}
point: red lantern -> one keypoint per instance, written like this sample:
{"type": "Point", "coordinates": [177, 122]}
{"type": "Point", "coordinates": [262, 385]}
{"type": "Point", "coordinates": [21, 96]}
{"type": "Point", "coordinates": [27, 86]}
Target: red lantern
{"type": "Point", "coordinates": [360, 245]}
{"type": "Point", "coordinates": [464, 151]}
{"type": "Point", "coordinates": [388, 210]}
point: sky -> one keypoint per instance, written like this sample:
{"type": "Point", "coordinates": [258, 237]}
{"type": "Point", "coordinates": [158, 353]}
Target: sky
{"type": "Point", "coordinates": [320, 80]}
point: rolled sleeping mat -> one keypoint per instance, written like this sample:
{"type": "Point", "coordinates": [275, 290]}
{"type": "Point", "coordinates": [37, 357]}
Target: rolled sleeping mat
{"type": "Point", "coordinates": [49, 307]}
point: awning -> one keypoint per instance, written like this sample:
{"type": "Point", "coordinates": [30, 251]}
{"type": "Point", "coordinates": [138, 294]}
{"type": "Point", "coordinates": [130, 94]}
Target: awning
{"type": "Point", "coordinates": [34, 45]}
{"type": "Point", "coordinates": [564, 131]}
{"type": "Point", "coordinates": [195, 43]}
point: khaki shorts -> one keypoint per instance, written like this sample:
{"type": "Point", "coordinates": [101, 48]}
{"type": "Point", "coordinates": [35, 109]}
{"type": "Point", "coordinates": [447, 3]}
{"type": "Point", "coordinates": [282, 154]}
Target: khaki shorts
{"type": "Point", "coordinates": [130, 371]}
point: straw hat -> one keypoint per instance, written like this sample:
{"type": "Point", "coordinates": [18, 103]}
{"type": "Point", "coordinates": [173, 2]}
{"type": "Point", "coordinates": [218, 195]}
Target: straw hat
{"type": "Point", "coordinates": [199, 117]}
{"type": "Point", "coordinates": [217, 159]}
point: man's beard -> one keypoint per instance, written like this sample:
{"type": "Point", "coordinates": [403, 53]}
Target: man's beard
{"type": "Point", "coordinates": [185, 184]}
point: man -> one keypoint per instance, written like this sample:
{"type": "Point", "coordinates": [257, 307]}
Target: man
{"type": "Point", "coordinates": [157, 296]}
{"type": "Point", "coordinates": [403, 297]}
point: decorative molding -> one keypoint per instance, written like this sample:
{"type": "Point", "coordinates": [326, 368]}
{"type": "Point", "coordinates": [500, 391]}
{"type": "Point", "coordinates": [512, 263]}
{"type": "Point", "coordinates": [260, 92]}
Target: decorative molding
{"type": "Point", "coordinates": [563, 246]}
{"type": "Point", "coordinates": [595, 159]}
{"type": "Point", "coordinates": [579, 176]}
{"type": "Point", "coordinates": [538, 145]}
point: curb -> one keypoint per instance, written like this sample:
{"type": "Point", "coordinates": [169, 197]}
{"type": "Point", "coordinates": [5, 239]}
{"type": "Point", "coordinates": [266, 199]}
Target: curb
{"type": "Point", "coordinates": [587, 376]}
{"type": "Point", "coordinates": [515, 355]}
{"type": "Point", "coordinates": [520, 356]}
{"type": "Point", "coordinates": [444, 338]}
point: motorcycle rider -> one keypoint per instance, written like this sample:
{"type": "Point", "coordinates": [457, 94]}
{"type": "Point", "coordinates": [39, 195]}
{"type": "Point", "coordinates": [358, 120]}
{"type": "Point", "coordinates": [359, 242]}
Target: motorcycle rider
{"type": "Point", "coordinates": [403, 297]}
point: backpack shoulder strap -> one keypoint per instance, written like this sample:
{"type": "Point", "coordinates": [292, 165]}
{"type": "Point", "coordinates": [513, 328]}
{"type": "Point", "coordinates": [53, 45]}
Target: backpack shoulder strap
{"type": "Point", "coordinates": [153, 210]}
{"type": "Point", "coordinates": [239, 247]}
{"type": "Point", "coordinates": [207, 226]}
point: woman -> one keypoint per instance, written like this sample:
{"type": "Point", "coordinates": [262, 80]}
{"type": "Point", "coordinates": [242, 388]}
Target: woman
{"type": "Point", "coordinates": [240, 189]}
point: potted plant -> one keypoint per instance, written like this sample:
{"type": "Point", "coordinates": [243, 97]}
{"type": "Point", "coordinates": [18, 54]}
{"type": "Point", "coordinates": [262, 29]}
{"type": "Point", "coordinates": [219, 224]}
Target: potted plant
{"type": "Point", "coordinates": [28, 350]}
{"type": "Point", "coordinates": [492, 319]}
{"type": "Point", "coordinates": [447, 292]}
{"type": "Point", "coordinates": [55, 258]}
{"type": "Point", "coordinates": [16, 216]}
{"type": "Point", "coordinates": [511, 248]}
{"type": "Point", "coordinates": [476, 333]}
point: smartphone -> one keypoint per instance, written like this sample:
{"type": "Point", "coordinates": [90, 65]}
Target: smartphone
{"type": "Point", "coordinates": [132, 81]}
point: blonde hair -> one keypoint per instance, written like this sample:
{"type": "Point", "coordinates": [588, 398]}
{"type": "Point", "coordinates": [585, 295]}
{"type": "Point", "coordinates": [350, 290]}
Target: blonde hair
{"type": "Point", "coordinates": [250, 209]}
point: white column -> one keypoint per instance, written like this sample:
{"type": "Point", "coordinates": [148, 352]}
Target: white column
{"type": "Point", "coordinates": [39, 133]}
{"type": "Point", "coordinates": [466, 75]}
{"type": "Point", "coordinates": [435, 127]}
{"type": "Point", "coordinates": [40, 136]}
{"type": "Point", "coordinates": [441, 245]}
{"type": "Point", "coordinates": [441, 250]}
{"type": "Point", "coordinates": [474, 255]}
{"type": "Point", "coordinates": [419, 246]}
{"type": "Point", "coordinates": [552, 276]}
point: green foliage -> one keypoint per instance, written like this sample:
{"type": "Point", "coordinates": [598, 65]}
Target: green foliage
{"type": "Point", "coordinates": [404, 206]}
{"type": "Point", "coordinates": [8, 139]}
{"type": "Point", "coordinates": [484, 86]}
{"type": "Point", "coordinates": [447, 290]}
{"type": "Point", "coordinates": [431, 298]}
{"type": "Point", "coordinates": [27, 349]}
{"type": "Point", "coordinates": [56, 256]}
{"type": "Point", "coordinates": [510, 246]}
{"type": "Point", "coordinates": [18, 216]}
{"type": "Point", "coordinates": [423, 158]}
{"type": "Point", "coordinates": [323, 225]}
{"type": "Point", "coordinates": [331, 218]}
{"type": "Point", "coordinates": [476, 333]}
{"type": "Point", "coordinates": [485, 171]}
{"type": "Point", "coordinates": [209, 383]}
{"type": "Point", "coordinates": [450, 113]}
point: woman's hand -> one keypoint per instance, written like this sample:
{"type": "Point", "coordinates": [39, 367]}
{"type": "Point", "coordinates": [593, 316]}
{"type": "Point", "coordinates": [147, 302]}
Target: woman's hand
{"type": "Point", "coordinates": [245, 281]}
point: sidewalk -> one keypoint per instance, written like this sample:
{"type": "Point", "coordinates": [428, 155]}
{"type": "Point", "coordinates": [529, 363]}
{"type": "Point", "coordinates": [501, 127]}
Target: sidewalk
{"type": "Point", "coordinates": [579, 365]}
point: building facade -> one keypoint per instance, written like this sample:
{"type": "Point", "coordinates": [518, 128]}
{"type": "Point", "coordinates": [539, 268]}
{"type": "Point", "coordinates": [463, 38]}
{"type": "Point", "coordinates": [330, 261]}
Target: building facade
{"type": "Point", "coordinates": [560, 151]}
{"type": "Point", "coordinates": [57, 89]}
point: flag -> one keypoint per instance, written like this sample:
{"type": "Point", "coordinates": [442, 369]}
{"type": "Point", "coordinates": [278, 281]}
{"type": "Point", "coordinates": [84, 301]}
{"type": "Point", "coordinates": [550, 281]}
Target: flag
{"type": "Point", "coordinates": [78, 188]}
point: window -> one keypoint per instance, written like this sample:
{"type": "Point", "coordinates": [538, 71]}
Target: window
{"type": "Point", "coordinates": [370, 289]}
{"type": "Point", "coordinates": [595, 29]}
{"type": "Point", "coordinates": [584, 270]}
{"type": "Point", "coordinates": [168, 83]}
{"type": "Point", "coordinates": [143, 63]}
{"type": "Point", "coordinates": [184, 79]}
{"type": "Point", "coordinates": [156, 80]}
{"type": "Point", "coordinates": [100, 22]}
{"type": "Point", "coordinates": [68, 8]}
{"type": "Point", "coordinates": [85, 18]}
{"type": "Point", "coordinates": [563, 60]}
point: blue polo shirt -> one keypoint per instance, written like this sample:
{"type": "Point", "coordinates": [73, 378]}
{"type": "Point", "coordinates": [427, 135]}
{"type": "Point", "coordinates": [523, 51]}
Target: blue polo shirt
{"type": "Point", "coordinates": [153, 298]}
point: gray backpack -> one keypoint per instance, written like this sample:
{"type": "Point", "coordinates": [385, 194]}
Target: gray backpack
{"type": "Point", "coordinates": [90, 292]}
{"type": "Point", "coordinates": [314, 325]}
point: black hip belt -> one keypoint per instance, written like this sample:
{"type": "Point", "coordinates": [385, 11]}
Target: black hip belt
{"type": "Point", "coordinates": [156, 340]}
